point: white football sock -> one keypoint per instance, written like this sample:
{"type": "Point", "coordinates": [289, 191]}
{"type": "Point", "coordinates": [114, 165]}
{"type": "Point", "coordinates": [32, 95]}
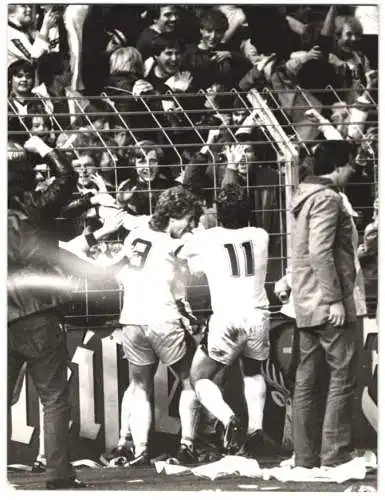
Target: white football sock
{"type": "Point", "coordinates": [211, 398]}
{"type": "Point", "coordinates": [125, 414]}
{"type": "Point", "coordinates": [140, 419]}
{"type": "Point", "coordinates": [255, 395]}
{"type": "Point", "coordinates": [41, 455]}
{"type": "Point", "coordinates": [189, 415]}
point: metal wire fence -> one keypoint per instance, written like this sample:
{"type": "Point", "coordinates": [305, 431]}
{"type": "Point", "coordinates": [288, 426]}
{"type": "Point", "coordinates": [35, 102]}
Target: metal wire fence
{"type": "Point", "coordinates": [194, 129]}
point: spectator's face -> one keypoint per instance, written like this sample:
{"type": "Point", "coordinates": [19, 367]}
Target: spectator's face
{"type": "Point", "coordinates": [179, 227]}
{"type": "Point", "coordinates": [169, 61]}
{"type": "Point", "coordinates": [121, 136]}
{"type": "Point", "coordinates": [85, 167]}
{"type": "Point", "coordinates": [239, 116]}
{"type": "Point", "coordinates": [168, 19]}
{"type": "Point", "coordinates": [22, 15]}
{"type": "Point", "coordinates": [147, 166]}
{"type": "Point", "coordinates": [210, 38]}
{"type": "Point", "coordinates": [348, 39]}
{"type": "Point", "coordinates": [40, 128]}
{"type": "Point", "coordinates": [21, 83]}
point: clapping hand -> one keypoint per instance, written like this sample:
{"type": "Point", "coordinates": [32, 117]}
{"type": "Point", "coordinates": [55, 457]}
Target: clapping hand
{"type": "Point", "coordinates": [180, 82]}
{"type": "Point", "coordinates": [51, 18]}
{"type": "Point", "coordinates": [100, 183]}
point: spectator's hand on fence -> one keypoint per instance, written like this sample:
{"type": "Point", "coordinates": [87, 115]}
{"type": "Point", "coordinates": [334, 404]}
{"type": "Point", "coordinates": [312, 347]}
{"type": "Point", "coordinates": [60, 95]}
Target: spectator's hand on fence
{"type": "Point", "coordinates": [142, 87]}
{"type": "Point", "coordinates": [213, 134]}
{"type": "Point", "coordinates": [234, 155]}
{"type": "Point", "coordinates": [36, 145]}
{"type": "Point", "coordinates": [316, 117]}
{"type": "Point", "coordinates": [221, 55]}
{"type": "Point", "coordinates": [337, 314]}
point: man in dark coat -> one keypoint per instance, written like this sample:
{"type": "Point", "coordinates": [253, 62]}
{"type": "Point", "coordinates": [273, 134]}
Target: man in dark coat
{"type": "Point", "coordinates": [35, 289]}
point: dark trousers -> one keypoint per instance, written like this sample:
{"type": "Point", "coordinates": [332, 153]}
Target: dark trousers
{"type": "Point", "coordinates": [323, 434]}
{"type": "Point", "coordinates": [39, 339]}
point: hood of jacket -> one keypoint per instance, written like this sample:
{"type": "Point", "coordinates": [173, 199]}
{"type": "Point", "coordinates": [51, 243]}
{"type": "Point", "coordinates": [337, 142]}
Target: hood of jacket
{"type": "Point", "coordinates": [309, 187]}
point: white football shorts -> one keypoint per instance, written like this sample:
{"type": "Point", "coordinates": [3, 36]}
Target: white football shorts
{"type": "Point", "coordinates": [233, 333]}
{"type": "Point", "coordinates": [144, 344]}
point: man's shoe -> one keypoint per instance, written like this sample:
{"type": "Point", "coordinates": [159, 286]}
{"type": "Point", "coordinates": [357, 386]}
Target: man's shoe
{"type": "Point", "coordinates": [142, 459]}
{"type": "Point", "coordinates": [234, 436]}
{"type": "Point", "coordinates": [187, 455]}
{"type": "Point", "coordinates": [38, 467]}
{"type": "Point", "coordinates": [118, 457]}
{"type": "Point", "coordinates": [66, 484]}
{"type": "Point", "coordinates": [253, 445]}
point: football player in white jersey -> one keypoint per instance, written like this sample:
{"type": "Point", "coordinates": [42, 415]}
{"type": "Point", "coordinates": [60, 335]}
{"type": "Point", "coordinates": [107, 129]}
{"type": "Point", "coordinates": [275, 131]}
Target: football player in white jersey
{"type": "Point", "coordinates": [153, 329]}
{"type": "Point", "coordinates": [234, 258]}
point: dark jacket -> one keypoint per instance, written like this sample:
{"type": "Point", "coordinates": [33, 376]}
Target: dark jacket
{"type": "Point", "coordinates": [34, 274]}
{"type": "Point", "coordinates": [323, 254]}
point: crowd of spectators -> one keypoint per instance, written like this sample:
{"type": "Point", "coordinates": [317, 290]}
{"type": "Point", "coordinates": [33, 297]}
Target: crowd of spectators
{"type": "Point", "coordinates": [141, 98]}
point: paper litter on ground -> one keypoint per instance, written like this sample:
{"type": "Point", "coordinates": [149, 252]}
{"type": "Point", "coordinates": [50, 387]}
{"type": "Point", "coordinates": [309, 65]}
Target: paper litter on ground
{"type": "Point", "coordinates": [247, 467]}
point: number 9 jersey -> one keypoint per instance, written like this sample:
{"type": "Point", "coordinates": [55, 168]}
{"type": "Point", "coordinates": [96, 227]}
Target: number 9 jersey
{"type": "Point", "coordinates": [149, 277]}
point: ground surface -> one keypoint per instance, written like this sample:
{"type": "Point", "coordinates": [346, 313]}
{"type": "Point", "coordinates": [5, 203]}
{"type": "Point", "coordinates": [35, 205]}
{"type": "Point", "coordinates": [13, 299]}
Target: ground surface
{"type": "Point", "coordinates": [146, 479]}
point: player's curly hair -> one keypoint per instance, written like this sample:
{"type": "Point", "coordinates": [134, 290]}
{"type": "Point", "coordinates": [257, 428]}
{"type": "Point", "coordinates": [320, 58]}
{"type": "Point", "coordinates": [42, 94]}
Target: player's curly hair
{"type": "Point", "coordinates": [233, 206]}
{"type": "Point", "coordinates": [174, 202]}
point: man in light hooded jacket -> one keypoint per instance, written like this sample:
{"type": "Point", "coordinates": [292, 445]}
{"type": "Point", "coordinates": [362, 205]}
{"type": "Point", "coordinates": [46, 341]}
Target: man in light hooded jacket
{"type": "Point", "coordinates": [323, 282]}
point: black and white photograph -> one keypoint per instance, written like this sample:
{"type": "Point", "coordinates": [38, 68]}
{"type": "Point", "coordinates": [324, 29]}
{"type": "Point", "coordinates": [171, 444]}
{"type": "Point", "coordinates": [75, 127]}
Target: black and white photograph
{"type": "Point", "coordinates": [192, 247]}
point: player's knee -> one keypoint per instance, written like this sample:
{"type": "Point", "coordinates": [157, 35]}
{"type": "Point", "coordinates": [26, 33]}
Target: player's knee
{"type": "Point", "coordinates": [142, 378]}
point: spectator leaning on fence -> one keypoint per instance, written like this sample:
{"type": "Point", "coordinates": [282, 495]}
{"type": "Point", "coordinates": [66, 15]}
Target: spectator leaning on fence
{"type": "Point", "coordinates": [139, 194]}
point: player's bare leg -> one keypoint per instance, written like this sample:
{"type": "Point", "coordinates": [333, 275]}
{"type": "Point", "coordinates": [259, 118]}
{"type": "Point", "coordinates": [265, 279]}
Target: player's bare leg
{"type": "Point", "coordinates": [189, 410]}
{"type": "Point", "coordinates": [255, 395]}
{"type": "Point", "coordinates": [142, 381]}
{"type": "Point", "coordinates": [203, 371]}
{"type": "Point", "coordinates": [125, 438]}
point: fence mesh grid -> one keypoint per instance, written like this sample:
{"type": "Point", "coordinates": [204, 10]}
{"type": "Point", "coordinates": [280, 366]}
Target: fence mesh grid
{"type": "Point", "coordinates": [180, 125]}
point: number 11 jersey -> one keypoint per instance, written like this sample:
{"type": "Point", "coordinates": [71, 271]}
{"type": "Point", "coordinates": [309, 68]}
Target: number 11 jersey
{"type": "Point", "coordinates": [235, 263]}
